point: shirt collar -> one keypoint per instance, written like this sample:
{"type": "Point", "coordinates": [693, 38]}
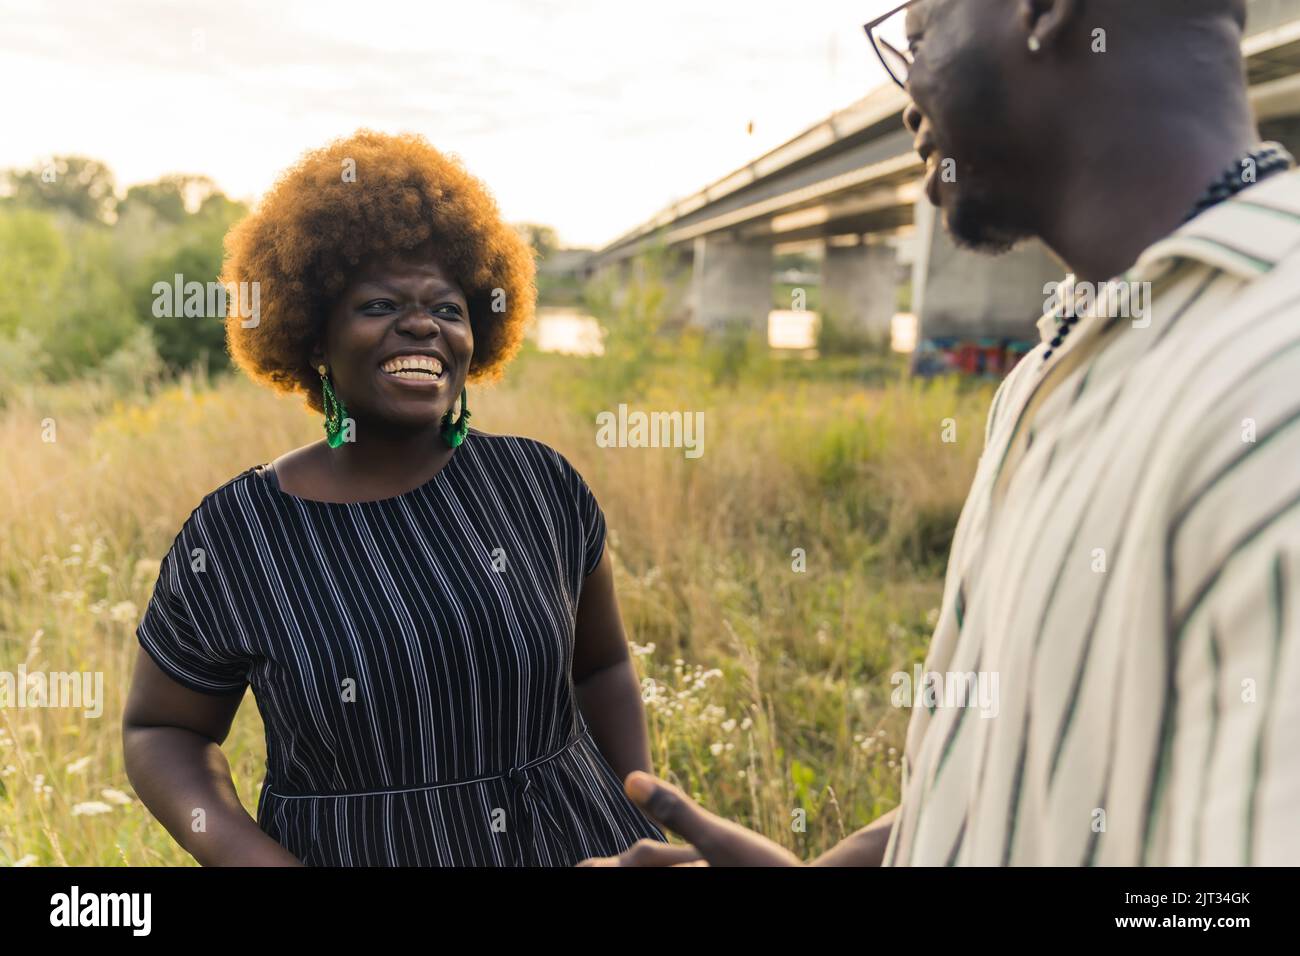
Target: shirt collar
{"type": "Point", "coordinates": [1051, 319]}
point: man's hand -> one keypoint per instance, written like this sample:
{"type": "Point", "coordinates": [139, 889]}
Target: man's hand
{"type": "Point", "coordinates": [714, 841]}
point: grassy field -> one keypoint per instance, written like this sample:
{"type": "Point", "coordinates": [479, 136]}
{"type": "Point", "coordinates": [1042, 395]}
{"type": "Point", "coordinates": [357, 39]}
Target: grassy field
{"type": "Point", "coordinates": [767, 689]}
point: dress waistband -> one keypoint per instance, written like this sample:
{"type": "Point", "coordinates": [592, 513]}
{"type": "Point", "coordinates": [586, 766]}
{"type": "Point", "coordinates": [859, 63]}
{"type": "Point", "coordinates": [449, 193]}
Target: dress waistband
{"type": "Point", "coordinates": [513, 775]}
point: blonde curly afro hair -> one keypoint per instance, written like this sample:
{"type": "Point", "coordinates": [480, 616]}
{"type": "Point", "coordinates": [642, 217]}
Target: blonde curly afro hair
{"type": "Point", "coordinates": [367, 195]}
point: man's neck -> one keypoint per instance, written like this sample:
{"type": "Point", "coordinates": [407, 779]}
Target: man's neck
{"type": "Point", "coordinates": [1130, 186]}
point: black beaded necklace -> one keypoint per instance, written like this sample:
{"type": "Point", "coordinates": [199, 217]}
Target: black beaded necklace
{"type": "Point", "coordinates": [1266, 160]}
{"type": "Point", "coordinates": [1263, 161]}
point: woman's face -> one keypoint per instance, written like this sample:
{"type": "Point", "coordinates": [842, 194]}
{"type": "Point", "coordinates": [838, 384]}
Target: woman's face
{"type": "Point", "coordinates": [398, 344]}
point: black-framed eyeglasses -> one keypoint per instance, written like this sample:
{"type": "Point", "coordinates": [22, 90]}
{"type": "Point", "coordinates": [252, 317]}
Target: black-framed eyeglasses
{"type": "Point", "coordinates": [897, 62]}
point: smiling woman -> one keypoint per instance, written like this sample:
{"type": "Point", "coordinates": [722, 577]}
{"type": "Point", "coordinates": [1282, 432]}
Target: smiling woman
{"type": "Point", "coordinates": [408, 378]}
{"type": "Point", "coordinates": [371, 197]}
{"type": "Point", "coordinates": [425, 612]}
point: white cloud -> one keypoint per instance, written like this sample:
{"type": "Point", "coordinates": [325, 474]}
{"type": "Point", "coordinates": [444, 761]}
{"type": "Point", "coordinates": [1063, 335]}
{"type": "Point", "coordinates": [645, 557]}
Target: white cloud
{"type": "Point", "coordinates": [589, 115]}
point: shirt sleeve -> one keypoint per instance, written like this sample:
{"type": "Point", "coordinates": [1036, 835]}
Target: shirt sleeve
{"type": "Point", "coordinates": [593, 526]}
{"type": "Point", "coordinates": [178, 640]}
{"type": "Point", "coordinates": [590, 517]}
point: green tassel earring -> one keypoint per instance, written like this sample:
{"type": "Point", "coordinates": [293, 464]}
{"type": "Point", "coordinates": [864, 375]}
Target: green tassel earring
{"type": "Point", "coordinates": [335, 413]}
{"type": "Point", "coordinates": [453, 433]}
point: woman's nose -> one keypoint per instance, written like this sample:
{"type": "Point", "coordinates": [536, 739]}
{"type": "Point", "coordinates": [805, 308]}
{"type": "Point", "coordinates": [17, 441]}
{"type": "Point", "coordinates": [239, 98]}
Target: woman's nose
{"type": "Point", "coordinates": [417, 321]}
{"type": "Point", "coordinates": [417, 325]}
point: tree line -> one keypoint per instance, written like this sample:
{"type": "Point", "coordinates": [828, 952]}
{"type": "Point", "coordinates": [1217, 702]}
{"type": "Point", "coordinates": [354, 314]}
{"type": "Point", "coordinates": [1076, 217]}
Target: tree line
{"type": "Point", "coordinates": [79, 260]}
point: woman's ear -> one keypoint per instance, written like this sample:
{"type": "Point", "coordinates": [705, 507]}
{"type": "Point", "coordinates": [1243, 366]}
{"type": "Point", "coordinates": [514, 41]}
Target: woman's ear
{"type": "Point", "coordinates": [1045, 20]}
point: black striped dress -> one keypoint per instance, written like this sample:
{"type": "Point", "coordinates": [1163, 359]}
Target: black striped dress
{"type": "Point", "coordinates": [411, 659]}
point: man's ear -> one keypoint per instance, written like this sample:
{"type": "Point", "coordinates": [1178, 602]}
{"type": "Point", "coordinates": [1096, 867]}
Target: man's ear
{"type": "Point", "coordinates": [1045, 20]}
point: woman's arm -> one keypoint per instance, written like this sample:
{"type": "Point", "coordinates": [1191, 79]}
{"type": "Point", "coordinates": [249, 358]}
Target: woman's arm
{"type": "Point", "coordinates": [608, 691]}
{"type": "Point", "coordinates": [171, 739]}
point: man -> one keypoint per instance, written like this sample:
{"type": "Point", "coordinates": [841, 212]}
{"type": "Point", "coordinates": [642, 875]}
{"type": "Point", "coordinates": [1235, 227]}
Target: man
{"type": "Point", "coordinates": [1128, 560]}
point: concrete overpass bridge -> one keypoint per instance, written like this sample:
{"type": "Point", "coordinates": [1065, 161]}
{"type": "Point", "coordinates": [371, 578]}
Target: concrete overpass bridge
{"type": "Point", "coordinates": [852, 185]}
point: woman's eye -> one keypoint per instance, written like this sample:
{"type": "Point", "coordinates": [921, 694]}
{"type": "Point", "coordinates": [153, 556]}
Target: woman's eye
{"type": "Point", "coordinates": [380, 306]}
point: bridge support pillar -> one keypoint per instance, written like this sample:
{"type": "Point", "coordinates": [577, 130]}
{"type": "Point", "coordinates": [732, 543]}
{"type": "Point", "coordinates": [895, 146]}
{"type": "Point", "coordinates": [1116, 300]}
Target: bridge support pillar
{"type": "Point", "coordinates": [731, 283]}
{"type": "Point", "coordinates": [956, 292]}
{"type": "Point", "coordinates": [860, 288]}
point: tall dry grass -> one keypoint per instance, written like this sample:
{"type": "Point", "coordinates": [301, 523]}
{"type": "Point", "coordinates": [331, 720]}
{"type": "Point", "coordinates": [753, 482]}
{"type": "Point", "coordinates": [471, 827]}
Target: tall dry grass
{"type": "Point", "coordinates": [767, 689]}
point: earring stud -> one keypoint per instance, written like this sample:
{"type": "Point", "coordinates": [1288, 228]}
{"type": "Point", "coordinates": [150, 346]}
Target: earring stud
{"type": "Point", "coordinates": [1035, 44]}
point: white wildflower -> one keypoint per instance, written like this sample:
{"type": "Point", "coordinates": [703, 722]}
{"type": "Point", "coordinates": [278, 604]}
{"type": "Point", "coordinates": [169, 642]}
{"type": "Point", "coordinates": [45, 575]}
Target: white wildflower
{"type": "Point", "coordinates": [91, 808]}
{"type": "Point", "coordinates": [124, 612]}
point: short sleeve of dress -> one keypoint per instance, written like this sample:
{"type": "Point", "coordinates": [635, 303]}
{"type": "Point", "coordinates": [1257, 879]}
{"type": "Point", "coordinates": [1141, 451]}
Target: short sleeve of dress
{"type": "Point", "coordinates": [593, 526]}
{"type": "Point", "coordinates": [174, 636]}
{"type": "Point", "coordinates": [590, 517]}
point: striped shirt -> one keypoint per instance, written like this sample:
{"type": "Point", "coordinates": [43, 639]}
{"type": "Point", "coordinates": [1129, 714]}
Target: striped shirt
{"type": "Point", "coordinates": [411, 659]}
{"type": "Point", "coordinates": [1127, 569]}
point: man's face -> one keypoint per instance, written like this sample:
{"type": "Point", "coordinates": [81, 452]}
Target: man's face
{"type": "Point", "coordinates": [967, 58]}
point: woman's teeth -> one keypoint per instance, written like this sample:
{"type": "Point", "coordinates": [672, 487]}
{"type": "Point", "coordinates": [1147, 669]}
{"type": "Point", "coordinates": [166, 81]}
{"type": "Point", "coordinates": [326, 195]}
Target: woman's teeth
{"type": "Point", "coordinates": [414, 367]}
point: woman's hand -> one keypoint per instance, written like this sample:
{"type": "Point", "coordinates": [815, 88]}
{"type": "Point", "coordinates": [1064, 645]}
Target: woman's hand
{"type": "Point", "coordinates": [713, 840]}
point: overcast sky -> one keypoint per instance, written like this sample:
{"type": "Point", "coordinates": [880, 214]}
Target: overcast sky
{"type": "Point", "coordinates": [588, 115]}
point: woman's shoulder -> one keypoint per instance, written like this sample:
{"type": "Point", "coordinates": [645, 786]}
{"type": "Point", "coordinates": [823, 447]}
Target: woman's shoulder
{"type": "Point", "coordinates": [554, 480]}
{"type": "Point", "coordinates": [517, 445]}
{"type": "Point", "coordinates": [208, 526]}
{"type": "Point", "coordinates": [235, 488]}
{"type": "Point", "coordinates": [516, 451]}
{"type": "Point", "coordinates": [237, 493]}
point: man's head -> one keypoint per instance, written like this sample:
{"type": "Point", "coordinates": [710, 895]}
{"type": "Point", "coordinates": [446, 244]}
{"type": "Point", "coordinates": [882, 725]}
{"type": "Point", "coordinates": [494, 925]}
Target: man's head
{"type": "Point", "coordinates": [1010, 96]}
